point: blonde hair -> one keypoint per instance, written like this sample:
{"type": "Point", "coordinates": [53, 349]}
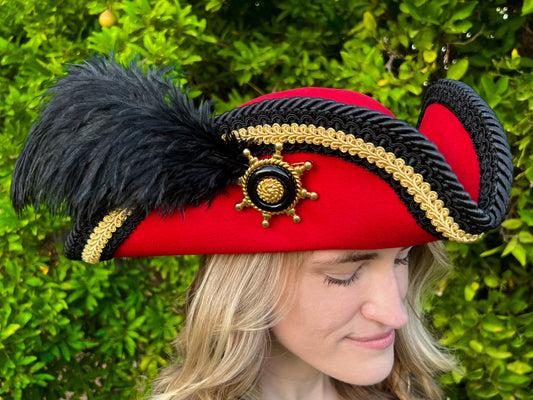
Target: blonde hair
{"type": "Point", "coordinates": [235, 300]}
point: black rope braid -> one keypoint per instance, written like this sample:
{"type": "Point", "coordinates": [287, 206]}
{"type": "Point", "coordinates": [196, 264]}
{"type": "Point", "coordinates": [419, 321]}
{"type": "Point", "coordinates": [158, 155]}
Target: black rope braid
{"type": "Point", "coordinates": [382, 130]}
{"type": "Point", "coordinates": [488, 139]}
{"type": "Point", "coordinates": [81, 232]}
{"type": "Point", "coordinates": [78, 236]}
{"type": "Point", "coordinates": [122, 233]}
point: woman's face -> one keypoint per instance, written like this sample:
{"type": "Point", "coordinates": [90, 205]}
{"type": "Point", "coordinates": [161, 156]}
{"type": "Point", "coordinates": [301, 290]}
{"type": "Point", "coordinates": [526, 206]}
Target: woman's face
{"type": "Point", "coordinates": [346, 307]}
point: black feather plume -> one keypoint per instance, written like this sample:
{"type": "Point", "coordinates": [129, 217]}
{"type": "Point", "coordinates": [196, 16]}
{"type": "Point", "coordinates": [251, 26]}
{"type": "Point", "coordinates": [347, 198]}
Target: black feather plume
{"type": "Point", "coordinates": [113, 137]}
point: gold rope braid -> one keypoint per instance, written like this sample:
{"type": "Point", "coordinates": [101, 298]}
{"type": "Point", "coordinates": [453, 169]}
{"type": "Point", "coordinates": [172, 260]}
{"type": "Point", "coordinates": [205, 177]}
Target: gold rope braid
{"type": "Point", "coordinates": [427, 199]}
{"type": "Point", "coordinates": [270, 190]}
{"type": "Point", "coordinates": [102, 233]}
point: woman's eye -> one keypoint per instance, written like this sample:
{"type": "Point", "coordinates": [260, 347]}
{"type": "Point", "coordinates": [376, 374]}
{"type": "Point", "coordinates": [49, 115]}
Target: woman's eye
{"type": "Point", "coordinates": [329, 280]}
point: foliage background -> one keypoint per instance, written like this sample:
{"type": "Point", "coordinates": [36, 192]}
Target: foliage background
{"type": "Point", "coordinates": [70, 330]}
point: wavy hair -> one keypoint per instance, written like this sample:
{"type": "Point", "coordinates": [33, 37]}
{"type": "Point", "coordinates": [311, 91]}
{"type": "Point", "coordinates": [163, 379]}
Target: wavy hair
{"type": "Point", "coordinates": [234, 301]}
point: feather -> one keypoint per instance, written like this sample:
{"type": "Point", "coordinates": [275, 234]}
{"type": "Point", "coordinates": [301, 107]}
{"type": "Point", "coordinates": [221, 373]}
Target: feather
{"type": "Point", "coordinates": [114, 137]}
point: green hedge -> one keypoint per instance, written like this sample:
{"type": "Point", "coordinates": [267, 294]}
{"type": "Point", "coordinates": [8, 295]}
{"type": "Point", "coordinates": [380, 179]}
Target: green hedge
{"type": "Point", "coordinates": [68, 329]}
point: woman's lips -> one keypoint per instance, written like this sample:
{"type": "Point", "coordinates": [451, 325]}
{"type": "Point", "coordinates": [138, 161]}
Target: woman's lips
{"type": "Point", "coordinates": [377, 342]}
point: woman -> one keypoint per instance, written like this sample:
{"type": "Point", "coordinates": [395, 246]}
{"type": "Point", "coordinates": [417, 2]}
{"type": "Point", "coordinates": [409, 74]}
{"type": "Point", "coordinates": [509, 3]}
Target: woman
{"type": "Point", "coordinates": [310, 203]}
{"type": "Point", "coordinates": [315, 323]}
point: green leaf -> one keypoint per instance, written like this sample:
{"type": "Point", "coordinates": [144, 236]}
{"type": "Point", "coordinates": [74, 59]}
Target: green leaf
{"type": "Point", "coordinates": [28, 360]}
{"type": "Point", "coordinates": [510, 246]}
{"type": "Point", "coordinates": [37, 366]}
{"type": "Point", "coordinates": [476, 346]}
{"type": "Point", "coordinates": [520, 253]}
{"type": "Point", "coordinates": [137, 323]}
{"type": "Point", "coordinates": [470, 291]}
{"type": "Point", "coordinates": [369, 22]}
{"type": "Point", "coordinates": [502, 85]}
{"type": "Point", "coordinates": [65, 351]}
{"type": "Point", "coordinates": [130, 345]}
{"type": "Point", "coordinates": [498, 354]}
{"type": "Point", "coordinates": [429, 56]}
{"type": "Point", "coordinates": [457, 70]}
{"type": "Point", "coordinates": [513, 223]}
{"type": "Point", "coordinates": [214, 5]}
{"type": "Point", "coordinates": [493, 324]}
{"type": "Point", "coordinates": [457, 377]}
{"type": "Point", "coordinates": [45, 377]}
{"type": "Point", "coordinates": [519, 367]}
{"type": "Point", "coordinates": [407, 8]}
{"type": "Point", "coordinates": [525, 237]}
{"type": "Point", "coordinates": [464, 12]}
{"type": "Point", "coordinates": [527, 216]}
{"type": "Point", "coordinates": [459, 27]}
{"type": "Point", "coordinates": [9, 330]}
{"type": "Point", "coordinates": [527, 7]}
{"type": "Point", "coordinates": [491, 281]}
{"type": "Point", "coordinates": [23, 318]}
{"type": "Point", "coordinates": [34, 281]}
{"type": "Point", "coordinates": [491, 252]}
{"type": "Point", "coordinates": [91, 302]}
{"type": "Point", "coordinates": [514, 379]}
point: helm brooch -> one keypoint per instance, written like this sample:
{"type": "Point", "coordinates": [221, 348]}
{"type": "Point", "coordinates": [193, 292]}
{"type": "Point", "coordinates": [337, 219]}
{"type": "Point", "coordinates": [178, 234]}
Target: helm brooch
{"type": "Point", "coordinates": [273, 186]}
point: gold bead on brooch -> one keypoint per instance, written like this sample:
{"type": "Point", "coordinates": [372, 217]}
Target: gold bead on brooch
{"type": "Point", "coordinates": [273, 186]}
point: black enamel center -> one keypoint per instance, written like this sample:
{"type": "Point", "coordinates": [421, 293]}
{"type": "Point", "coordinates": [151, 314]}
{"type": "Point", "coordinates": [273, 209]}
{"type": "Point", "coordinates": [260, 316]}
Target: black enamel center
{"type": "Point", "coordinates": [281, 175]}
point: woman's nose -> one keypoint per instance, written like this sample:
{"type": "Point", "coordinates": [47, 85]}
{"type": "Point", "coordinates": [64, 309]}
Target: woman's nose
{"type": "Point", "coordinates": [385, 300]}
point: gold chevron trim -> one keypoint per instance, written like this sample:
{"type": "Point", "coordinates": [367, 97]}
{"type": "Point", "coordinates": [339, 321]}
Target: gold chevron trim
{"type": "Point", "coordinates": [427, 199]}
{"type": "Point", "coordinates": [102, 233]}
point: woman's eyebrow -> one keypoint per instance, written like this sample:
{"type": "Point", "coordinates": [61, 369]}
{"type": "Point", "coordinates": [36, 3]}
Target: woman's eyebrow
{"type": "Point", "coordinates": [351, 256]}
{"type": "Point", "coordinates": [355, 256]}
{"type": "Point", "coordinates": [347, 257]}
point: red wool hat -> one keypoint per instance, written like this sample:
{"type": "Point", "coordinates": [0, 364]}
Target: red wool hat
{"type": "Point", "coordinates": [143, 172]}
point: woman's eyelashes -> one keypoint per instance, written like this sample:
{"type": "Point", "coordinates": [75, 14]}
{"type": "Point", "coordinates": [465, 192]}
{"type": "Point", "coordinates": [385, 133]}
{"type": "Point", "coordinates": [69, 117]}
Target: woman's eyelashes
{"type": "Point", "coordinates": [329, 280]}
{"type": "Point", "coordinates": [405, 259]}
{"type": "Point", "coordinates": [402, 261]}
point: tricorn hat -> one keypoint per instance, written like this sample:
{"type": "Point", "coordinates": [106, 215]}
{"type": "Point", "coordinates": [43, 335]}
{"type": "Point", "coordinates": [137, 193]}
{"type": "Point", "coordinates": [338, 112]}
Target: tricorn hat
{"type": "Point", "coordinates": [144, 172]}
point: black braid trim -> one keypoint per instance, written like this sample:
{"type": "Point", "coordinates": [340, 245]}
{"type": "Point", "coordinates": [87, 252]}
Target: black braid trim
{"type": "Point", "coordinates": [79, 235]}
{"type": "Point", "coordinates": [81, 232]}
{"type": "Point", "coordinates": [122, 233]}
{"type": "Point", "coordinates": [380, 129]}
{"type": "Point", "coordinates": [488, 138]}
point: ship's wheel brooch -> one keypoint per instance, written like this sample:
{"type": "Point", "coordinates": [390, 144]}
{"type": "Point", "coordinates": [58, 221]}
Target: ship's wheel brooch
{"type": "Point", "coordinates": [273, 186]}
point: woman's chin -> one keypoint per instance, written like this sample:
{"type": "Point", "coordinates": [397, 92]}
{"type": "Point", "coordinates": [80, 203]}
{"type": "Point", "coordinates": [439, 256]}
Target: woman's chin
{"type": "Point", "coordinates": [369, 372]}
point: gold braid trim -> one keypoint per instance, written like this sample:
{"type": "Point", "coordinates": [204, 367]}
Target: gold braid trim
{"type": "Point", "coordinates": [427, 199]}
{"type": "Point", "coordinates": [101, 235]}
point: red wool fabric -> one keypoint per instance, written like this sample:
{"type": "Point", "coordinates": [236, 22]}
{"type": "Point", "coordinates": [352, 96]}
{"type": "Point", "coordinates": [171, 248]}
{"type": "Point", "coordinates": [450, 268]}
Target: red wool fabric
{"type": "Point", "coordinates": [439, 124]}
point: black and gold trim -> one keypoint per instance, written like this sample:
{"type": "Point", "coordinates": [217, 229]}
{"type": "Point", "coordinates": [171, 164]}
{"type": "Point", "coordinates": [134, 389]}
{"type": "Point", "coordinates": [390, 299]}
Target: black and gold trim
{"type": "Point", "coordinates": [331, 128]}
{"type": "Point", "coordinates": [98, 241]}
{"type": "Point", "coordinates": [101, 234]}
{"type": "Point", "coordinates": [486, 132]}
{"type": "Point", "coordinates": [421, 192]}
